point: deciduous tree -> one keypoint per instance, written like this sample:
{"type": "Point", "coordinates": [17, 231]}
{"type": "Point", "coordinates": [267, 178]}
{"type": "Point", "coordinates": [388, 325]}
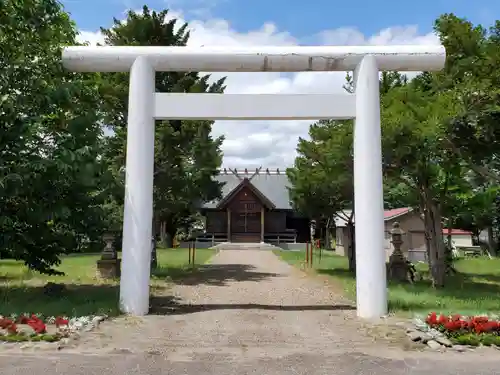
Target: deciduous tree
{"type": "Point", "coordinates": [186, 156]}
{"type": "Point", "coordinates": [321, 179]}
{"type": "Point", "coordinates": [51, 173]}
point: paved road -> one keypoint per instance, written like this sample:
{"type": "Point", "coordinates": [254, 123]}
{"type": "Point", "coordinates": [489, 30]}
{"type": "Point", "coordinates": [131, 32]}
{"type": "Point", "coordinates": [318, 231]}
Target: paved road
{"type": "Point", "coordinates": [349, 364]}
{"type": "Point", "coordinates": [247, 313]}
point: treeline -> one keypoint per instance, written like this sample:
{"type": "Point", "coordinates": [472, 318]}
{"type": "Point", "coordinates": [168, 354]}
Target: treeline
{"type": "Point", "coordinates": [441, 149]}
{"type": "Point", "coordinates": [61, 173]}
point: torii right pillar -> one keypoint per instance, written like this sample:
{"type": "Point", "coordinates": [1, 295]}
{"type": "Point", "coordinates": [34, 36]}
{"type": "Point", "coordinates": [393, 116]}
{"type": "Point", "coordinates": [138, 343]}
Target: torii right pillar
{"type": "Point", "coordinates": [371, 281]}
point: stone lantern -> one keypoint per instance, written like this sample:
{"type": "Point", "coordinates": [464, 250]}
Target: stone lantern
{"type": "Point", "coordinates": [109, 251]}
{"type": "Point", "coordinates": [312, 229]}
{"type": "Point", "coordinates": [108, 267]}
{"type": "Point", "coordinates": [398, 268]}
{"type": "Point", "coordinates": [397, 239]}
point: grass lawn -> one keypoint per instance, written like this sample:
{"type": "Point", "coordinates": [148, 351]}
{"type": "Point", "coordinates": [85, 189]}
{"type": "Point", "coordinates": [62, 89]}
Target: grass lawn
{"type": "Point", "coordinates": [475, 290]}
{"type": "Point", "coordinates": [21, 290]}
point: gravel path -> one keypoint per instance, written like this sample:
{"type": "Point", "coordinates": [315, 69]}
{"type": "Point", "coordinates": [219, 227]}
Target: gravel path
{"type": "Point", "coordinates": [246, 312]}
{"type": "Point", "coordinates": [245, 303]}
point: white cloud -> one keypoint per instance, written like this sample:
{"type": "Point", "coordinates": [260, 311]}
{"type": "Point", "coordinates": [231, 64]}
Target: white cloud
{"type": "Point", "coordinates": [272, 143]}
{"type": "Point", "coordinates": [91, 37]}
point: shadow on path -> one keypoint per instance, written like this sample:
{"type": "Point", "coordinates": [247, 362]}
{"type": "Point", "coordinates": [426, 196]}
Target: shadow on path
{"type": "Point", "coordinates": [173, 306]}
{"type": "Point", "coordinates": [213, 274]}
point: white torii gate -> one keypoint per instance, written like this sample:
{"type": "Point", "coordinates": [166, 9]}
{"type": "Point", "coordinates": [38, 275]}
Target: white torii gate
{"type": "Point", "coordinates": [145, 105]}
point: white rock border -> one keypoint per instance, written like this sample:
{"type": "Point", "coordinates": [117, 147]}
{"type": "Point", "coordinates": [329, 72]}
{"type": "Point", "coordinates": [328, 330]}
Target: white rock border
{"type": "Point", "coordinates": [85, 323]}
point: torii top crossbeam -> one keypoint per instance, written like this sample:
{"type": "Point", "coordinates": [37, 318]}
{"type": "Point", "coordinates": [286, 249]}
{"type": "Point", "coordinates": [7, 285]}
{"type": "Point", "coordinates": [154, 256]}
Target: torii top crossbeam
{"type": "Point", "coordinates": [254, 59]}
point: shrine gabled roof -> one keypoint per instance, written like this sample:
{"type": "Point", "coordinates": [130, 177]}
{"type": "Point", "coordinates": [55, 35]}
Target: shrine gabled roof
{"type": "Point", "coordinates": [273, 184]}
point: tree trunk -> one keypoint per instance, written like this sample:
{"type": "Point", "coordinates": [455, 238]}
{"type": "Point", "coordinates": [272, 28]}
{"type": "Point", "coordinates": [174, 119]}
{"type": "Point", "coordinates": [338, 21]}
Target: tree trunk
{"type": "Point", "coordinates": [351, 246]}
{"type": "Point", "coordinates": [154, 257]}
{"type": "Point", "coordinates": [163, 234]}
{"type": "Point", "coordinates": [434, 234]}
{"type": "Point", "coordinates": [328, 234]}
{"type": "Point", "coordinates": [169, 239]}
{"type": "Point", "coordinates": [426, 233]}
{"type": "Point", "coordinates": [169, 230]}
{"type": "Point", "coordinates": [427, 247]}
{"type": "Point", "coordinates": [492, 249]}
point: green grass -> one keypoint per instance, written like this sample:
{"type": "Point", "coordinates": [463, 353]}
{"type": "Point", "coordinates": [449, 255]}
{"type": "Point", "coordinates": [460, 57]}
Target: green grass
{"type": "Point", "coordinates": [21, 290]}
{"type": "Point", "coordinates": [475, 289]}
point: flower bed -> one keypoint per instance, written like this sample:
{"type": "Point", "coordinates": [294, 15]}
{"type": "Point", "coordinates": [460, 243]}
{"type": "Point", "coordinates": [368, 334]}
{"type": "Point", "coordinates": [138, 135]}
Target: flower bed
{"type": "Point", "coordinates": [34, 327]}
{"type": "Point", "coordinates": [467, 330]}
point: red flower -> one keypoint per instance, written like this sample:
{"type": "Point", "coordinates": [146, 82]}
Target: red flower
{"type": "Point", "coordinates": [453, 325]}
{"type": "Point", "coordinates": [12, 329]}
{"type": "Point", "coordinates": [480, 319]}
{"type": "Point", "coordinates": [490, 326]}
{"type": "Point", "coordinates": [9, 325]}
{"type": "Point", "coordinates": [23, 319]}
{"type": "Point", "coordinates": [432, 319]}
{"type": "Point", "coordinates": [443, 319]}
{"type": "Point", "coordinates": [456, 317]}
{"type": "Point", "coordinates": [5, 323]}
{"type": "Point", "coordinates": [37, 325]}
{"type": "Point", "coordinates": [61, 322]}
{"type": "Point", "coordinates": [479, 328]}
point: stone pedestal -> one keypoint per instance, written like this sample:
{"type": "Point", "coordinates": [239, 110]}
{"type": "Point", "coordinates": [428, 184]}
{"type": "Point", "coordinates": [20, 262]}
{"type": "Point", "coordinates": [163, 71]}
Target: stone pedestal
{"type": "Point", "coordinates": [397, 269]}
{"type": "Point", "coordinates": [109, 268]}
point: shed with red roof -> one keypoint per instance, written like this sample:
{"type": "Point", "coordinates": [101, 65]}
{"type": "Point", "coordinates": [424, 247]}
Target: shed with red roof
{"type": "Point", "coordinates": [413, 239]}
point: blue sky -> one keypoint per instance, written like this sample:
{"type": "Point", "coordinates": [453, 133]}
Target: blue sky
{"type": "Point", "coordinates": [293, 16]}
{"type": "Point", "coordinates": [272, 143]}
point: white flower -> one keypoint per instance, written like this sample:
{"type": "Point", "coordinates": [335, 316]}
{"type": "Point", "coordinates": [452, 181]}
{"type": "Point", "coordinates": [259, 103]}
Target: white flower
{"type": "Point", "coordinates": [86, 320]}
{"type": "Point", "coordinates": [77, 325]}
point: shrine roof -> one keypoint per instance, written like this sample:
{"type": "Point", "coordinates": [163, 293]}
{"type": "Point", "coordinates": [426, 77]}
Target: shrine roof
{"type": "Point", "coordinates": [272, 183]}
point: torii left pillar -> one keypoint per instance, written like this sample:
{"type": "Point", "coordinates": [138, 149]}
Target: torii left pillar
{"type": "Point", "coordinates": [136, 257]}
